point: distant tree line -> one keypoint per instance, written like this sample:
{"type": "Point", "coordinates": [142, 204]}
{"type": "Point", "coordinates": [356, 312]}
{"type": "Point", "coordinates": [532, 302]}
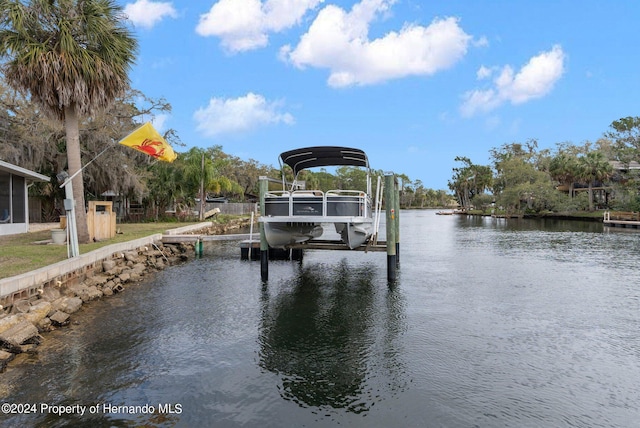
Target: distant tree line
{"type": "Point", "coordinates": [37, 142]}
{"type": "Point", "coordinates": [413, 194]}
{"type": "Point", "coordinates": [523, 178]}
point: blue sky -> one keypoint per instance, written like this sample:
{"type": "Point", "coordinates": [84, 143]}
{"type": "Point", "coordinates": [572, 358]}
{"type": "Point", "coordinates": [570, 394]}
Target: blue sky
{"type": "Point", "coordinates": [414, 83]}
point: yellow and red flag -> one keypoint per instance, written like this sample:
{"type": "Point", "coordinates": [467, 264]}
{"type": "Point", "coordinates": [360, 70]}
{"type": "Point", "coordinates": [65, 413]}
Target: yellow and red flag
{"type": "Point", "coordinates": [147, 140]}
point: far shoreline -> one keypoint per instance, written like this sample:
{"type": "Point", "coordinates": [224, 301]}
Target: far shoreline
{"type": "Point", "coordinates": [592, 216]}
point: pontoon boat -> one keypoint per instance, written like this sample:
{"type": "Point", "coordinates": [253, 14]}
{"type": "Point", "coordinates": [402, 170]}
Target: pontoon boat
{"type": "Point", "coordinates": [297, 215]}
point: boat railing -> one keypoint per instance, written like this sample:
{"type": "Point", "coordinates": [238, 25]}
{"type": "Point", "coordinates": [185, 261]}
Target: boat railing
{"type": "Point", "coordinates": [333, 203]}
{"type": "Point", "coordinates": [348, 202]}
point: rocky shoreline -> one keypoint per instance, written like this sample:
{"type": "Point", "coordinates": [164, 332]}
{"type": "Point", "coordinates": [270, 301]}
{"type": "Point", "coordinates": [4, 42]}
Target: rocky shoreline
{"type": "Point", "coordinates": [23, 324]}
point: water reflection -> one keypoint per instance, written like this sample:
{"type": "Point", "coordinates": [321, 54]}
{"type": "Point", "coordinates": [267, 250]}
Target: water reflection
{"type": "Point", "coordinates": [531, 224]}
{"type": "Point", "coordinates": [326, 333]}
{"type": "Point", "coordinates": [493, 323]}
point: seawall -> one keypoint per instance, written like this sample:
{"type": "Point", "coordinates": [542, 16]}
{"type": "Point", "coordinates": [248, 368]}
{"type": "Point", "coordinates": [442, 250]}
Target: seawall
{"type": "Point", "coordinates": [42, 300]}
{"type": "Point", "coordinates": [74, 270]}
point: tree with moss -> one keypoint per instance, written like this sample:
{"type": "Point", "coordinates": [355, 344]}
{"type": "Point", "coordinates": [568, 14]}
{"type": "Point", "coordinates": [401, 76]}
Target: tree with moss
{"type": "Point", "coordinates": [522, 181]}
{"type": "Point", "coordinates": [625, 133]}
{"type": "Point", "coordinates": [73, 58]}
{"type": "Point", "coordinates": [469, 181]}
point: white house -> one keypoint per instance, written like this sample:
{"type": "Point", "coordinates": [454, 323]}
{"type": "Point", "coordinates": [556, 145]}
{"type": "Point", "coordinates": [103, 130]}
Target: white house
{"type": "Point", "coordinates": [14, 197]}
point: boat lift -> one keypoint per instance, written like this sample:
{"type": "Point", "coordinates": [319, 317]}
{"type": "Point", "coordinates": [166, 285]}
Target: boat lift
{"type": "Point", "coordinates": [391, 245]}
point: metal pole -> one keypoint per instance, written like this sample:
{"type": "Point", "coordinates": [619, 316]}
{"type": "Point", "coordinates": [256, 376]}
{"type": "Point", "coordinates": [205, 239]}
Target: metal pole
{"type": "Point", "coordinates": [376, 210]}
{"type": "Point", "coordinates": [86, 165]}
{"type": "Point", "coordinates": [73, 250]}
{"type": "Point", "coordinates": [202, 196]}
{"type": "Point", "coordinates": [396, 204]}
{"type": "Point", "coordinates": [389, 193]}
{"type": "Point", "coordinates": [264, 246]}
{"type": "Point", "coordinates": [250, 252]}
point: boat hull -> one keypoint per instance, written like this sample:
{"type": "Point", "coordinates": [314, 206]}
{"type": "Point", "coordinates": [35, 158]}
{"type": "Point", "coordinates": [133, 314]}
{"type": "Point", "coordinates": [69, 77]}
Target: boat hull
{"type": "Point", "coordinates": [281, 235]}
{"type": "Point", "coordinates": [354, 234]}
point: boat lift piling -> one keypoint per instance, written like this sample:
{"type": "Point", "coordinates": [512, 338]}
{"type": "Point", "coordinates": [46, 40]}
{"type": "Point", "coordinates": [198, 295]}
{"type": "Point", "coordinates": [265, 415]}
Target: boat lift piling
{"type": "Point", "coordinates": [392, 209]}
{"type": "Point", "coordinates": [264, 247]}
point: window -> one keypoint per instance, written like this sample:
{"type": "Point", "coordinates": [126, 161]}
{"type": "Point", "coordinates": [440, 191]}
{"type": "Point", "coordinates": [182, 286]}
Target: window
{"type": "Point", "coordinates": [5, 199]}
{"type": "Point", "coordinates": [18, 198]}
{"type": "Point", "coordinates": [12, 198]}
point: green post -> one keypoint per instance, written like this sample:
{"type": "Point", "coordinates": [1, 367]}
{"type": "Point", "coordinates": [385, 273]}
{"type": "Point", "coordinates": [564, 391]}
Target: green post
{"type": "Point", "coordinates": [389, 203]}
{"type": "Point", "coordinates": [264, 246]}
{"type": "Point", "coordinates": [199, 248]}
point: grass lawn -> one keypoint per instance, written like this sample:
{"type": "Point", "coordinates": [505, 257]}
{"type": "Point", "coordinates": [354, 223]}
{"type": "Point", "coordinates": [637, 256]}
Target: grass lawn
{"type": "Point", "coordinates": [20, 253]}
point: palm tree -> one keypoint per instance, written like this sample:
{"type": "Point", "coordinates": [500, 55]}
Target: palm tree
{"type": "Point", "coordinates": [73, 58]}
{"type": "Point", "coordinates": [594, 167]}
{"type": "Point", "coordinates": [199, 173]}
{"type": "Point", "coordinates": [564, 168]}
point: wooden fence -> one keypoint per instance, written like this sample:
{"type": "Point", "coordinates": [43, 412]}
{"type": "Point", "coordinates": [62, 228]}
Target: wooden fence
{"type": "Point", "coordinates": [622, 216]}
{"type": "Point", "coordinates": [232, 208]}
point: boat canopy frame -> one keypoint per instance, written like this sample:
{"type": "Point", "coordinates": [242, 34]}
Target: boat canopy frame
{"type": "Point", "coordinates": [319, 156]}
{"type": "Point", "coordinates": [311, 157]}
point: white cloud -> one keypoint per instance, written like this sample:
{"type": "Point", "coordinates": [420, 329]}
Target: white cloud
{"type": "Point", "coordinates": [338, 40]}
{"type": "Point", "coordinates": [230, 115]}
{"type": "Point", "coordinates": [534, 80]}
{"type": "Point", "coordinates": [484, 73]}
{"type": "Point", "coordinates": [245, 24]}
{"type": "Point", "coordinates": [146, 14]}
{"type": "Point", "coordinates": [482, 42]}
{"type": "Point", "coordinates": [159, 121]}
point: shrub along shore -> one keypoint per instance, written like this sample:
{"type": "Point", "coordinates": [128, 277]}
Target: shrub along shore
{"type": "Point", "coordinates": [573, 215]}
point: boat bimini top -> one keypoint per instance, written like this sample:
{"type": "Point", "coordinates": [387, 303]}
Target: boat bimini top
{"type": "Point", "coordinates": [310, 157]}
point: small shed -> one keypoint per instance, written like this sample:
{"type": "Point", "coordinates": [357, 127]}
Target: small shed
{"type": "Point", "coordinates": [101, 220]}
{"type": "Point", "coordinates": [14, 200]}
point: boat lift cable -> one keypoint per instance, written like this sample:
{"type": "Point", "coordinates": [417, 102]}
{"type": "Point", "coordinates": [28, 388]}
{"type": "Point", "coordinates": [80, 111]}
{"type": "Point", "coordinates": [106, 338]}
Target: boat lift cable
{"type": "Point", "coordinates": [251, 237]}
{"type": "Point", "coordinates": [377, 208]}
{"type": "Point", "coordinates": [161, 252]}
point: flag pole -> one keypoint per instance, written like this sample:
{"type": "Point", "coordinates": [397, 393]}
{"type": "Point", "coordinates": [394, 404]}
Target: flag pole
{"type": "Point", "coordinates": [69, 203]}
{"type": "Point", "coordinates": [86, 165]}
{"type": "Point", "coordinates": [73, 249]}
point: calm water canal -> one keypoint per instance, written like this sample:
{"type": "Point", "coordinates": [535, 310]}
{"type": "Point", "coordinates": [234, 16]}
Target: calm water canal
{"type": "Point", "coordinates": [492, 323]}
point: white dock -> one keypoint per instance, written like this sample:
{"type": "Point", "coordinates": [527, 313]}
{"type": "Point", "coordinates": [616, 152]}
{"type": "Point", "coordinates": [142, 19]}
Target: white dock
{"type": "Point", "coordinates": [621, 219]}
{"type": "Point", "coordinates": [175, 239]}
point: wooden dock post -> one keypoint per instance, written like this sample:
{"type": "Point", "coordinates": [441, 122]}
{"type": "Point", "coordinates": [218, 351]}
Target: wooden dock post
{"type": "Point", "coordinates": [264, 246]}
{"type": "Point", "coordinates": [391, 218]}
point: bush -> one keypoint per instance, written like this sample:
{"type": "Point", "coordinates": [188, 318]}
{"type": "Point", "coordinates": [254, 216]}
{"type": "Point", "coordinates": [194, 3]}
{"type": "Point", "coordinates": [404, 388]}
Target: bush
{"type": "Point", "coordinates": [482, 201]}
{"type": "Point", "coordinates": [564, 203]}
{"type": "Point", "coordinates": [625, 197]}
